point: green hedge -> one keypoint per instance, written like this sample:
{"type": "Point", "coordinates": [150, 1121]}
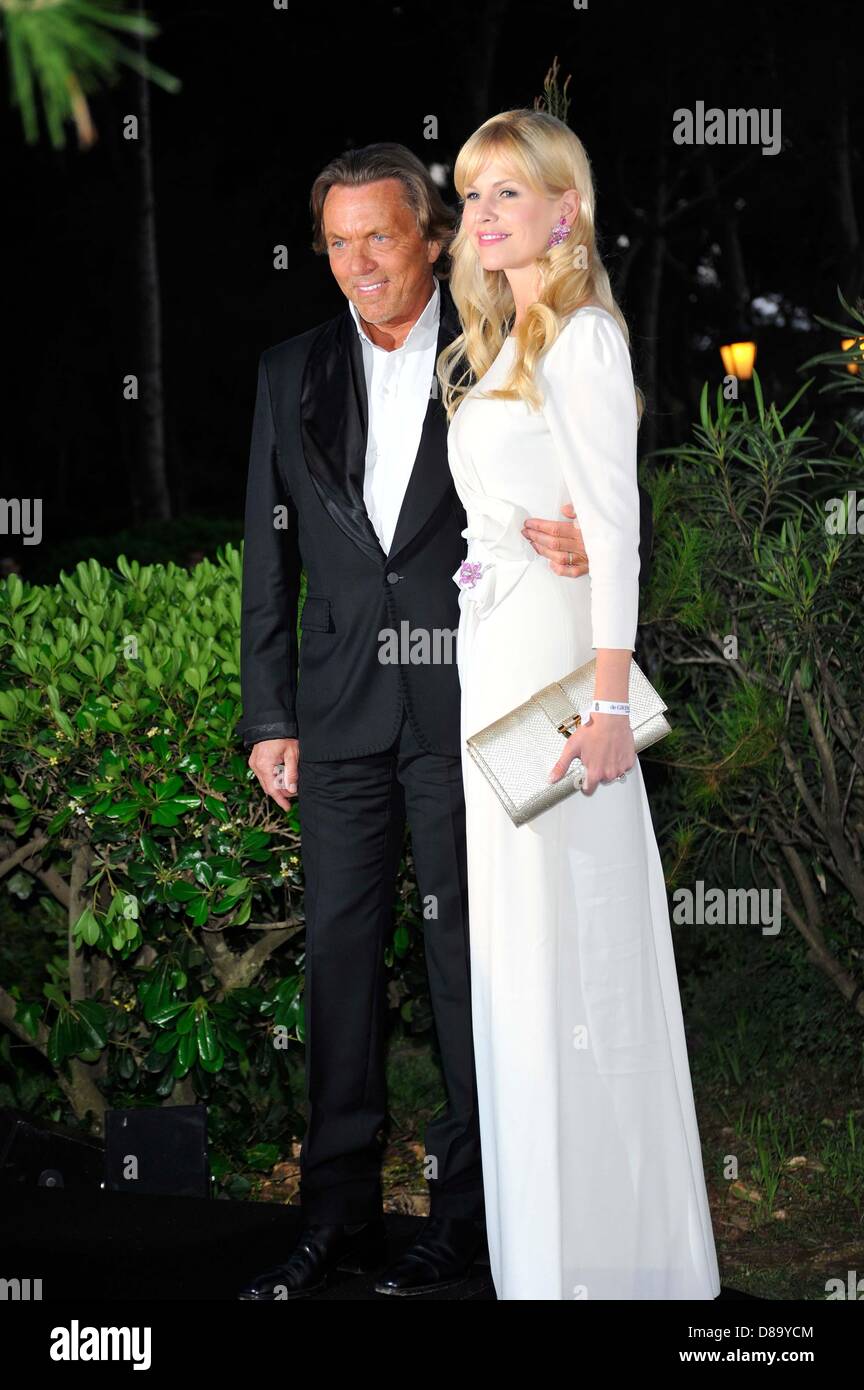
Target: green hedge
{"type": "Point", "coordinates": [753, 631]}
{"type": "Point", "coordinates": [135, 836]}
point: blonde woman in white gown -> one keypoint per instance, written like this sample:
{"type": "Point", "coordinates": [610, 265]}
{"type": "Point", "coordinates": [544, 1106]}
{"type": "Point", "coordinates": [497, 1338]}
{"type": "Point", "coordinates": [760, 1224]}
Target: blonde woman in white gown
{"type": "Point", "coordinates": [592, 1166]}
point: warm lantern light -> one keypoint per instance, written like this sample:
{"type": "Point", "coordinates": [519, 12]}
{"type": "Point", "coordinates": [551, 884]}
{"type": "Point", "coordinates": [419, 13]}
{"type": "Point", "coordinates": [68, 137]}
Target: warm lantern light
{"type": "Point", "coordinates": [858, 344]}
{"type": "Point", "coordinates": [738, 359]}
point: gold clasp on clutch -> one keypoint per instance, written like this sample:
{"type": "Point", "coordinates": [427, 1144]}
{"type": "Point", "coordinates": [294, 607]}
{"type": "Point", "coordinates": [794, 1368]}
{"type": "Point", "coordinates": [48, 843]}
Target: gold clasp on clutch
{"type": "Point", "coordinates": [569, 725]}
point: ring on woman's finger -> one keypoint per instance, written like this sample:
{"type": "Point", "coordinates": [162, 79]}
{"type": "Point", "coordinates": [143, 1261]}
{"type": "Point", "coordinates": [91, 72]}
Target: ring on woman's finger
{"type": "Point", "coordinates": [580, 772]}
{"type": "Point", "coordinates": [622, 778]}
{"type": "Point", "coordinates": [570, 559]}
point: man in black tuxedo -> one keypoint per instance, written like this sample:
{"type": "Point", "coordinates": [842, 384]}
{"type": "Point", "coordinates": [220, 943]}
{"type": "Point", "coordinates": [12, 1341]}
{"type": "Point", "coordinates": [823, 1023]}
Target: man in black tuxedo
{"type": "Point", "coordinates": [349, 479]}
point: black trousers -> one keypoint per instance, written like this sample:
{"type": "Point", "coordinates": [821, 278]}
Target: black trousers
{"type": "Point", "coordinates": [352, 817]}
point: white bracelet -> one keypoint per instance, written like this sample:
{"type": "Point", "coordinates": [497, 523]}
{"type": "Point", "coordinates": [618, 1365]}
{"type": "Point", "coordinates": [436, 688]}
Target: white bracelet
{"type": "Point", "coordinates": [609, 707]}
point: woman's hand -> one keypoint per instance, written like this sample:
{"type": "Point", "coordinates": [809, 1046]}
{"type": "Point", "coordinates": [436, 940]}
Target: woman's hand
{"type": "Point", "coordinates": [605, 746]}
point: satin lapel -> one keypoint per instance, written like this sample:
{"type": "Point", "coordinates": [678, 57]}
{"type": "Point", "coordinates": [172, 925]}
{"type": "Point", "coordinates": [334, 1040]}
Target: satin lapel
{"type": "Point", "coordinates": [430, 477]}
{"type": "Point", "coordinates": [333, 426]}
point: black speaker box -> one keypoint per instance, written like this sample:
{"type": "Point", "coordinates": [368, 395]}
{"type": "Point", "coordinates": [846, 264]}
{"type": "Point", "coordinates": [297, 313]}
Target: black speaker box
{"type": "Point", "coordinates": [158, 1150]}
{"type": "Point", "coordinates": [37, 1153]}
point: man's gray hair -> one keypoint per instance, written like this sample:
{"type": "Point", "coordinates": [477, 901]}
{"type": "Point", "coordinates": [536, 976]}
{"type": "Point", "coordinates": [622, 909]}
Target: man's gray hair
{"type": "Point", "coordinates": [435, 220]}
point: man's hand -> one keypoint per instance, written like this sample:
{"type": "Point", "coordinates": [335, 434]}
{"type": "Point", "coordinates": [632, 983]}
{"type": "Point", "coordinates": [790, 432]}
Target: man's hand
{"type": "Point", "coordinates": [560, 542]}
{"type": "Point", "coordinates": [265, 758]}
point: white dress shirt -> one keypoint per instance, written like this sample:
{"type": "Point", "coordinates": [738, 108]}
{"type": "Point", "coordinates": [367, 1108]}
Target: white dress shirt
{"type": "Point", "coordinates": [398, 386]}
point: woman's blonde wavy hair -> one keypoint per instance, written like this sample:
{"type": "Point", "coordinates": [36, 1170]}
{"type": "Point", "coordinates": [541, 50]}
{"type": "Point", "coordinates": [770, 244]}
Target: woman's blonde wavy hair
{"type": "Point", "coordinates": [547, 155]}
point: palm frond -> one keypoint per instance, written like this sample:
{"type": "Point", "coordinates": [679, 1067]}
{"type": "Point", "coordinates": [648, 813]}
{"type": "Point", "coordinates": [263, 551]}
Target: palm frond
{"type": "Point", "coordinates": [61, 50]}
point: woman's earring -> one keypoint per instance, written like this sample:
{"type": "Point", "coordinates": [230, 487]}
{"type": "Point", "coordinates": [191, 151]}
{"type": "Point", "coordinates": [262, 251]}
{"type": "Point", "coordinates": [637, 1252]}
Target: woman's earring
{"type": "Point", "coordinates": [559, 232]}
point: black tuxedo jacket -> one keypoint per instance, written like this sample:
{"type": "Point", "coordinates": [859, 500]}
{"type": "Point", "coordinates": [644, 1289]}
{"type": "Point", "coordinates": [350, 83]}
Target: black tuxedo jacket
{"type": "Point", "coordinates": [305, 510]}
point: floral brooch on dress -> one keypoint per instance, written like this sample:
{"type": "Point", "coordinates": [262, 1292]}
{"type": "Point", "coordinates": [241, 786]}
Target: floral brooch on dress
{"type": "Point", "coordinates": [469, 573]}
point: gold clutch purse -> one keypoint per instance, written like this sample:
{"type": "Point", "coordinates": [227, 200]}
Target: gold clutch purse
{"type": "Point", "coordinates": [519, 750]}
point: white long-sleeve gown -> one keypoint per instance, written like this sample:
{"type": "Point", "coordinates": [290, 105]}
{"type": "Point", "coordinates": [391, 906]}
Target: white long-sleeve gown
{"type": "Point", "coordinates": [592, 1165]}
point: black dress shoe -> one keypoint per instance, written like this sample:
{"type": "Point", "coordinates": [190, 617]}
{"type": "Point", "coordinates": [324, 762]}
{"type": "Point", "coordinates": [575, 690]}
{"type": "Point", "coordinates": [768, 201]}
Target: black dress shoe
{"type": "Point", "coordinates": [441, 1256]}
{"type": "Point", "coordinates": [318, 1252]}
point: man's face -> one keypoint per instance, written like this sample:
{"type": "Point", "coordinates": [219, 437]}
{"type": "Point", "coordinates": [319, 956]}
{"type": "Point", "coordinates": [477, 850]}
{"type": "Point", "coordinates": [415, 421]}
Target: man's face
{"type": "Point", "coordinates": [377, 255]}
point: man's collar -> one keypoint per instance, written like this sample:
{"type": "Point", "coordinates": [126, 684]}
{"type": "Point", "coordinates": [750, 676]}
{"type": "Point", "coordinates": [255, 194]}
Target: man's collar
{"type": "Point", "coordinates": [425, 327]}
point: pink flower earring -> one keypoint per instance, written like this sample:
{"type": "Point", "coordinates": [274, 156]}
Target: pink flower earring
{"type": "Point", "coordinates": [559, 233]}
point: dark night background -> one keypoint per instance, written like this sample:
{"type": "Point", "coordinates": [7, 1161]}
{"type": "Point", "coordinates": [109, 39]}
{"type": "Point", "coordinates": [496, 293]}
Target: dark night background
{"type": "Point", "coordinates": [692, 236]}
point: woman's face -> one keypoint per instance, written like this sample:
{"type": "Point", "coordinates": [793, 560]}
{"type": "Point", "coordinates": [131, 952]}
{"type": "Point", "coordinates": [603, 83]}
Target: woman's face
{"type": "Point", "coordinates": [508, 221]}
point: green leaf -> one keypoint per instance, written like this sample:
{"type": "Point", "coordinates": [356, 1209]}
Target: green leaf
{"type": "Point", "coordinates": [186, 1051]}
{"type": "Point", "coordinates": [164, 1013]}
{"type": "Point", "coordinates": [213, 1064]}
{"type": "Point", "coordinates": [149, 848]}
{"type": "Point", "coordinates": [244, 911]}
{"type": "Point", "coordinates": [262, 1156]}
{"type": "Point", "coordinates": [65, 723]}
{"type": "Point", "coordinates": [208, 1045]}
{"type": "Point", "coordinates": [93, 1021]}
{"type": "Point", "coordinates": [182, 892]}
{"type": "Point", "coordinates": [14, 590]}
{"type": "Point", "coordinates": [87, 927]}
{"type": "Point", "coordinates": [703, 408]}
{"type": "Point", "coordinates": [199, 912]}
{"type": "Point", "coordinates": [61, 1040]}
{"type": "Point", "coordinates": [204, 873]}
{"type": "Point", "coordinates": [29, 1016]}
{"type": "Point", "coordinates": [167, 789]}
{"type": "Point", "coordinates": [186, 1022]}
